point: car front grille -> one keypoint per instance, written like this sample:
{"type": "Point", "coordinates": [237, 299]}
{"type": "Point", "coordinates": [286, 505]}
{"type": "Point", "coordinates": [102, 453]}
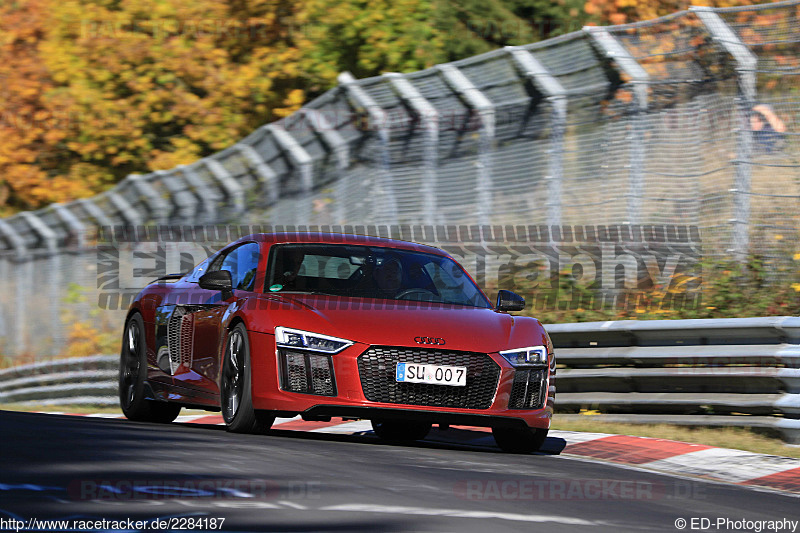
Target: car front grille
{"type": "Point", "coordinates": [528, 389]}
{"type": "Point", "coordinates": [377, 369]}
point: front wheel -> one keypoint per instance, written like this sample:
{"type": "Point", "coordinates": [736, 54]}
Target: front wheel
{"type": "Point", "coordinates": [400, 431]}
{"type": "Point", "coordinates": [236, 395]}
{"type": "Point", "coordinates": [132, 374]}
{"type": "Point", "coordinates": [515, 440]}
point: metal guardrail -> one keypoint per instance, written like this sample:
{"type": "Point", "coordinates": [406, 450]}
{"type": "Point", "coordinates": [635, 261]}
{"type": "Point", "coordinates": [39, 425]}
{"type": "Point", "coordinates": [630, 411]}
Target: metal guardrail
{"type": "Point", "coordinates": [740, 372]}
{"type": "Point", "coordinates": [78, 381]}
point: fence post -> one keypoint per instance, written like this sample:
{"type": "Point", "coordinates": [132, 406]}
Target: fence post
{"type": "Point", "coordinates": [264, 173]}
{"type": "Point", "coordinates": [21, 255]}
{"type": "Point", "coordinates": [233, 190]}
{"type": "Point", "coordinates": [184, 203]}
{"type": "Point", "coordinates": [329, 136]}
{"type": "Point", "coordinates": [95, 213]}
{"type": "Point", "coordinates": [613, 50]}
{"type": "Point", "coordinates": [49, 240]}
{"type": "Point", "coordinates": [207, 196]}
{"type": "Point", "coordinates": [386, 207]}
{"type": "Point", "coordinates": [551, 89]}
{"type": "Point", "coordinates": [128, 213]}
{"type": "Point", "coordinates": [80, 274]}
{"type": "Point", "coordinates": [303, 163]}
{"type": "Point", "coordinates": [429, 118]}
{"type": "Point", "coordinates": [746, 63]}
{"type": "Point", "coordinates": [76, 227]}
{"type": "Point", "coordinates": [335, 144]}
{"type": "Point", "coordinates": [479, 103]}
{"type": "Point", "coordinates": [159, 208]}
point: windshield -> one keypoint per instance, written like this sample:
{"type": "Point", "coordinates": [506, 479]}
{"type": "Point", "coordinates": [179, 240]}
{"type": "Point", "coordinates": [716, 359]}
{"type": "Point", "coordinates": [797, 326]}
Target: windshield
{"type": "Point", "coordinates": [371, 272]}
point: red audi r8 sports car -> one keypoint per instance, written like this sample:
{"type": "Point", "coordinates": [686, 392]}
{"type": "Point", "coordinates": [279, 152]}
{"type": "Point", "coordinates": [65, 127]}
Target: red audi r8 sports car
{"type": "Point", "coordinates": [330, 325]}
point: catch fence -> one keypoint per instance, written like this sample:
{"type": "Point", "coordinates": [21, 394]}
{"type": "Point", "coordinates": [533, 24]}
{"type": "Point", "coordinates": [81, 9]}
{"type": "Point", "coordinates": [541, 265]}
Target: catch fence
{"type": "Point", "coordinates": [689, 119]}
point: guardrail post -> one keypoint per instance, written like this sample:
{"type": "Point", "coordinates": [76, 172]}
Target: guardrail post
{"type": "Point", "coordinates": [551, 89]}
{"type": "Point", "coordinates": [746, 63]}
{"type": "Point", "coordinates": [20, 278]}
{"type": "Point", "coordinates": [614, 51]}
{"type": "Point", "coordinates": [386, 205]}
{"type": "Point", "coordinates": [429, 118]}
{"type": "Point", "coordinates": [304, 164]}
{"type": "Point", "coordinates": [263, 172]}
{"type": "Point", "coordinates": [479, 103]}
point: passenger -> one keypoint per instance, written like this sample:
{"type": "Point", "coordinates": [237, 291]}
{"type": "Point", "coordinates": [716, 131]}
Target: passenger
{"type": "Point", "coordinates": [292, 263]}
{"type": "Point", "coordinates": [768, 129]}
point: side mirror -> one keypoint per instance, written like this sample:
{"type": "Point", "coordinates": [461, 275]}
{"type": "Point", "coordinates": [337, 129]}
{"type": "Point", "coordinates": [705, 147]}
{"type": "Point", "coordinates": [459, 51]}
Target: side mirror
{"type": "Point", "coordinates": [218, 280]}
{"type": "Point", "coordinates": [510, 301]}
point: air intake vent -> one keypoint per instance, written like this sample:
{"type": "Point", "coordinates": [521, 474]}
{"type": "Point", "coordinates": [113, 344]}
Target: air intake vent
{"type": "Point", "coordinates": [528, 389]}
{"type": "Point", "coordinates": [307, 373]}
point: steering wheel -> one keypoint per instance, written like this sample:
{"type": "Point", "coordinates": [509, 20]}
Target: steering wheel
{"type": "Point", "coordinates": [420, 290]}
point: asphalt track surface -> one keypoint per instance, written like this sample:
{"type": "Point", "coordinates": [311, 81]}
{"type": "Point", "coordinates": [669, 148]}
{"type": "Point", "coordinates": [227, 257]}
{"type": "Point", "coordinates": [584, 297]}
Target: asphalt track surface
{"type": "Point", "coordinates": [61, 467]}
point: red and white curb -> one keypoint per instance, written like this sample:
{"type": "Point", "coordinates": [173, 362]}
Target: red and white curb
{"type": "Point", "coordinates": [660, 455]}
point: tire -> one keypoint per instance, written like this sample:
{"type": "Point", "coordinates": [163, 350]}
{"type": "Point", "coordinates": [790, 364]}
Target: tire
{"type": "Point", "coordinates": [132, 375]}
{"type": "Point", "coordinates": [526, 440]}
{"type": "Point", "coordinates": [236, 393]}
{"type": "Point", "coordinates": [400, 430]}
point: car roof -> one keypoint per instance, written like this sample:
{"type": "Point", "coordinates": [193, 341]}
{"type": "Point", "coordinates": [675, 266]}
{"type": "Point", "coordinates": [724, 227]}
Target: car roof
{"type": "Point", "coordinates": [314, 237]}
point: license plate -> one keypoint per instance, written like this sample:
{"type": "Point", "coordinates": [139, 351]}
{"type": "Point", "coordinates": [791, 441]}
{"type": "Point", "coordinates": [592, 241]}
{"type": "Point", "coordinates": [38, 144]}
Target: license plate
{"type": "Point", "coordinates": [432, 374]}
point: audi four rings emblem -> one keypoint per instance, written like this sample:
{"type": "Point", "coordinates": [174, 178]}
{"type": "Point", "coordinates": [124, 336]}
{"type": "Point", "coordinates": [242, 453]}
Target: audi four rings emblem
{"type": "Point", "coordinates": [429, 340]}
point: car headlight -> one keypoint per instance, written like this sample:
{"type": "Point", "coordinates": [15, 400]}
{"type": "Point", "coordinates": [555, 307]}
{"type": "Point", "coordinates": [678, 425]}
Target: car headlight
{"type": "Point", "coordinates": [532, 355]}
{"type": "Point", "coordinates": [305, 340]}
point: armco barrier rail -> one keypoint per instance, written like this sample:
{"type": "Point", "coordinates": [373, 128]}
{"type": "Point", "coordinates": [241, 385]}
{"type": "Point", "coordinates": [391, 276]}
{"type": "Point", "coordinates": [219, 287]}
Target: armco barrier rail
{"type": "Point", "coordinates": [85, 380]}
{"type": "Point", "coordinates": [739, 372]}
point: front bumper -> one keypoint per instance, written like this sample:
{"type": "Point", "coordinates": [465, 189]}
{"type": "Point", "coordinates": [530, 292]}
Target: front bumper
{"type": "Point", "coordinates": [350, 401]}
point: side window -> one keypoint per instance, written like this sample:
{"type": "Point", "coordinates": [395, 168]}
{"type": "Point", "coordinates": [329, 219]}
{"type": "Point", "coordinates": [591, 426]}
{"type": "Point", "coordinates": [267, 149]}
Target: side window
{"type": "Point", "coordinates": [242, 263]}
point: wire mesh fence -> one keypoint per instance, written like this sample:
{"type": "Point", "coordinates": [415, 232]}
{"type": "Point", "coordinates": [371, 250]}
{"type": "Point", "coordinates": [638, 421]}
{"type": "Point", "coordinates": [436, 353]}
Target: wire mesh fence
{"type": "Point", "coordinates": [690, 119]}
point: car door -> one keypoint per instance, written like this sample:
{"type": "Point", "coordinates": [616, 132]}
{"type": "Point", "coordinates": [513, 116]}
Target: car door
{"type": "Point", "coordinates": [202, 370]}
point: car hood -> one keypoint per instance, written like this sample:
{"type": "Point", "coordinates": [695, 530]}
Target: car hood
{"type": "Point", "coordinates": [392, 323]}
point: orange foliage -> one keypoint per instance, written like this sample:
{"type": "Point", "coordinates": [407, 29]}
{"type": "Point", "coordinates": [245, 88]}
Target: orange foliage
{"type": "Point", "coordinates": [94, 90]}
{"type": "Point", "coordinates": [606, 12]}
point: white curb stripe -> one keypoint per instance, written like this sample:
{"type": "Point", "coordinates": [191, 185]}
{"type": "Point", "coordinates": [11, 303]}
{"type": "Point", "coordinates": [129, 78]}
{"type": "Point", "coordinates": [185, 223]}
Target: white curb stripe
{"type": "Point", "coordinates": [575, 437]}
{"type": "Point", "coordinates": [736, 466]}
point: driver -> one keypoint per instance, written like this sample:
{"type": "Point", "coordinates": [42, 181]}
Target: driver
{"type": "Point", "coordinates": [389, 275]}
